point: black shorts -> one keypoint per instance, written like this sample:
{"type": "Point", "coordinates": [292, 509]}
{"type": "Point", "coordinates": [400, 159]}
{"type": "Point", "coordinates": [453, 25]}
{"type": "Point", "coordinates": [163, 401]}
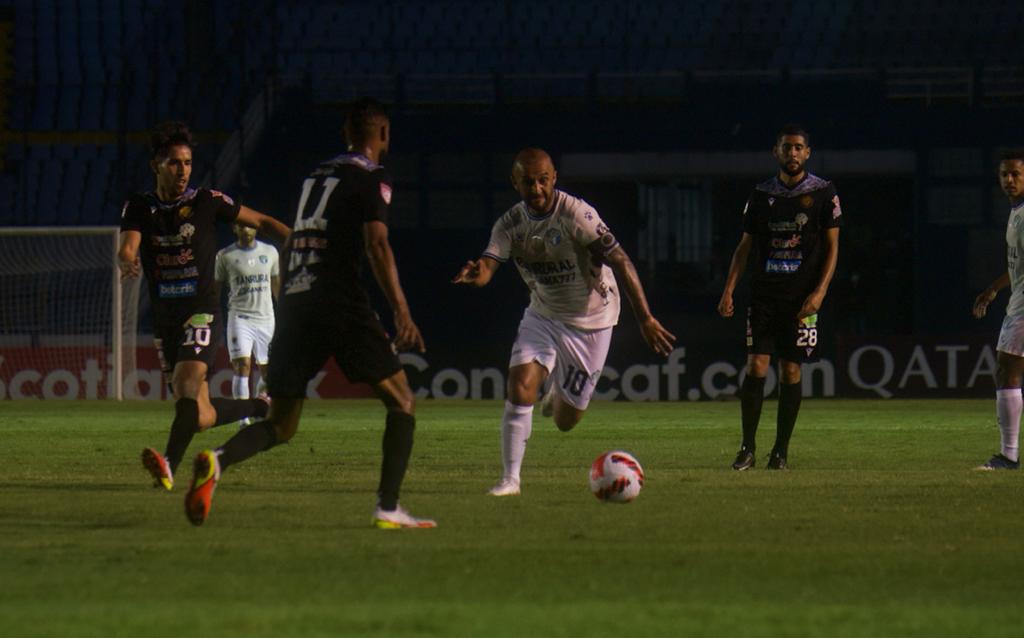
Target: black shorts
{"type": "Point", "coordinates": [305, 339]}
{"type": "Point", "coordinates": [198, 338]}
{"type": "Point", "coordinates": [772, 328]}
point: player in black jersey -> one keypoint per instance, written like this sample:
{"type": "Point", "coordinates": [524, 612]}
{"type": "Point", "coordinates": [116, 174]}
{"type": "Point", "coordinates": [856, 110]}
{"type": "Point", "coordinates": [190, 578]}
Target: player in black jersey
{"type": "Point", "coordinates": [325, 311]}
{"type": "Point", "coordinates": [172, 232]}
{"type": "Point", "coordinates": [791, 236]}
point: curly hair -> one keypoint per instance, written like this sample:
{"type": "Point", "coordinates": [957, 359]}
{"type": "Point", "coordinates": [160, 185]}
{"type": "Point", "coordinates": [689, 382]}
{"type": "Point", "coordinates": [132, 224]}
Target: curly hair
{"type": "Point", "coordinates": [168, 134]}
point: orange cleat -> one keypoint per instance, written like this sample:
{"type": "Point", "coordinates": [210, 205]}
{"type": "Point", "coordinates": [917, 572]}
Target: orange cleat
{"type": "Point", "coordinates": [205, 474]}
{"type": "Point", "coordinates": [158, 468]}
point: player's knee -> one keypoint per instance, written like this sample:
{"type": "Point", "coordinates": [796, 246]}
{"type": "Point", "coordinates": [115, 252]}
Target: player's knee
{"type": "Point", "coordinates": [521, 391]}
{"type": "Point", "coordinates": [566, 422]}
{"type": "Point", "coordinates": [757, 367]}
{"type": "Point", "coordinates": [791, 374]}
{"type": "Point", "coordinates": [285, 431]}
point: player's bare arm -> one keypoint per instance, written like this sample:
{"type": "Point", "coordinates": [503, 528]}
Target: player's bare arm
{"type": "Point", "coordinates": [128, 253]}
{"type": "Point", "coordinates": [382, 262]}
{"type": "Point", "coordinates": [814, 300]}
{"type": "Point", "coordinates": [477, 272]}
{"type": "Point", "coordinates": [275, 287]}
{"type": "Point", "coordinates": [986, 296]}
{"type": "Point", "coordinates": [657, 337]}
{"type": "Point", "coordinates": [736, 268]}
{"type": "Point", "coordinates": [264, 224]}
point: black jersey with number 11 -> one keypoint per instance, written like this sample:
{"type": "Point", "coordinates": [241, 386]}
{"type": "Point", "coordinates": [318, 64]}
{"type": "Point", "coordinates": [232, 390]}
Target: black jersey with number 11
{"type": "Point", "coordinates": [326, 249]}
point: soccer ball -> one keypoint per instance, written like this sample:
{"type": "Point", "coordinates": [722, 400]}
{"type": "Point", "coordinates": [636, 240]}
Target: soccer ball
{"type": "Point", "coordinates": [616, 477]}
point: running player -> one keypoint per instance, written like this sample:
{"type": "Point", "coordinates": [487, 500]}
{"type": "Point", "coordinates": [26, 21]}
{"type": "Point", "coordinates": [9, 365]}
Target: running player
{"type": "Point", "coordinates": [325, 311]}
{"type": "Point", "coordinates": [791, 235]}
{"type": "Point", "coordinates": [250, 269]}
{"type": "Point", "coordinates": [567, 256]}
{"type": "Point", "coordinates": [173, 230]}
{"type": "Point", "coordinates": [1010, 349]}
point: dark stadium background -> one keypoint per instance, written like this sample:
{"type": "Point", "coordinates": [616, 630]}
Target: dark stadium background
{"type": "Point", "coordinates": [660, 113]}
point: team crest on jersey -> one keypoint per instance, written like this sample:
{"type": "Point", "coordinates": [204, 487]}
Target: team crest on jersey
{"type": "Point", "coordinates": [801, 221]}
{"type": "Point", "coordinates": [263, 259]}
{"type": "Point", "coordinates": [185, 212]}
{"type": "Point", "coordinates": [222, 196]}
{"type": "Point", "coordinates": [187, 230]}
{"type": "Point", "coordinates": [385, 193]}
{"type": "Point", "coordinates": [837, 210]}
{"type": "Point", "coordinates": [807, 201]}
{"type": "Point", "coordinates": [553, 236]}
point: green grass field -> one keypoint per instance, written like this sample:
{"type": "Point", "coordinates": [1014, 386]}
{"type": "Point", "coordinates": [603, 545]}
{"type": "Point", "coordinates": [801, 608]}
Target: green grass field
{"type": "Point", "coordinates": [879, 529]}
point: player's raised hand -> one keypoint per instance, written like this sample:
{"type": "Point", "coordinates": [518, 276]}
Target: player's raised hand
{"type": "Point", "coordinates": [725, 307]}
{"type": "Point", "coordinates": [981, 303]}
{"type": "Point", "coordinates": [408, 335]}
{"type": "Point", "coordinates": [129, 269]}
{"type": "Point", "coordinates": [469, 273]}
{"type": "Point", "coordinates": [657, 337]}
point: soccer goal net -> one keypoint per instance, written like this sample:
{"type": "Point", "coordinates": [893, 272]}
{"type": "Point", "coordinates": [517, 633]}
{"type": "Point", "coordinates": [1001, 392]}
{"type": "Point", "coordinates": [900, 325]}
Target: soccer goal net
{"type": "Point", "coordinates": [67, 321]}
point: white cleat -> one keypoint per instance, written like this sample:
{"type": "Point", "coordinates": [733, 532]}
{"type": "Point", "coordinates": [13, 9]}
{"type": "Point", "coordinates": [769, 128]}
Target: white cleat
{"type": "Point", "coordinates": [398, 518]}
{"type": "Point", "coordinates": [505, 487]}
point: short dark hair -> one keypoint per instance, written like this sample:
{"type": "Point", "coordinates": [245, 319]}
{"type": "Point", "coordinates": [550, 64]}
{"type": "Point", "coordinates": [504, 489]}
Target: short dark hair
{"type": "Point", "coordinates": [168, 134]}
{"type": "Point", "coordinates": [793, 129]}
{"type": "Point", "coordinates": [363, 116]}
{"type": "Point", "coordinates": [1012, 154]}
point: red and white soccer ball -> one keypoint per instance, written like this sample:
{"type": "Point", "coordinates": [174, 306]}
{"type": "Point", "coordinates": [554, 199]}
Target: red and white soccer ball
{"type": "Point", "coordinates": [616, 477]}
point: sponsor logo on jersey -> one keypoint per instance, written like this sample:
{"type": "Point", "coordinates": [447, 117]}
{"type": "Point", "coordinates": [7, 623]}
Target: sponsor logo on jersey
{"type": "Point", "coordinates": [301, 281]}
{"type": "Point", "coordinates": [179, 273]}
{"type": "Point", "coordinates": [179, 259]}
{"type": "Point", "coordinates": [167, 240]}
{"type": "Point", "coordinates": [187, 230]}
{"type": "Point", "coordinates": [777, 227]}
{"type": "Point", "coordinates": [781, 266]}
{"type": "Point", "coordinates": [792, 242]}
{"type": "Point", "coordinates": [178, 289]}
{"type": "Point", "coordinates": [385, 193]}
{"type": "Point", "coordinates": [787, 254]}
{"type": "Point", "coordinates": [807, 201]}
{"type": "Point", "coordinates": [801, 220]}
{"type": "Point", "coordinates": [837, 210]}
{"type": "Point", "coordinates": [241, 280]}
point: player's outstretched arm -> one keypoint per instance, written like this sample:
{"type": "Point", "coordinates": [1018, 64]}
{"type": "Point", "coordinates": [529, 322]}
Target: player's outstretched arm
{"type": "Point", "coordinates": [986, 296]}
{"type": "Point", "coordinates": [264, 224]}
{"type": "Point", "coordinates": [657, 337]}
{"type": "Point", "coordinates": [736, 268]}
{"type": "Point", "coordinates": [128, 253]}
{"type": "Point", "coordinates": [814, 300]}
{"type": "Point", "coordinates": [385, 271]}
{"type": "Point", "coordinates": [477, 272]}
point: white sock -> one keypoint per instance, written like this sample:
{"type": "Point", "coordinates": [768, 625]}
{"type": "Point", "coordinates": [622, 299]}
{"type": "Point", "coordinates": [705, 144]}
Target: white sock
{"type": "Point", "coordinates": [240, 387]}
{"type": "Point", "coordinates": [516, 426]}
{"type": "Point", "coordinates": [1008, 408]}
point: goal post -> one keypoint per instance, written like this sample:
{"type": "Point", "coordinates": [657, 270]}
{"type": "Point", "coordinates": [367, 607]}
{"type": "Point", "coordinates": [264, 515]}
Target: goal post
{"type": "Point", "coordinates": [68, 323]}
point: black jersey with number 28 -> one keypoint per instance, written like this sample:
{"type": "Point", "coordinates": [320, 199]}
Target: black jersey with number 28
{"type": "Point", "coordinates": [326, 248]}
{"type": "Point", "coordinates": [787, 226]}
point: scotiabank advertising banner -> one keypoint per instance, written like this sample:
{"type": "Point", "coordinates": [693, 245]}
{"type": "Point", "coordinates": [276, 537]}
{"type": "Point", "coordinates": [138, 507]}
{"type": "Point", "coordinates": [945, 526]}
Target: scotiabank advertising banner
{"type": "Point", "coordinates": [888, 367]}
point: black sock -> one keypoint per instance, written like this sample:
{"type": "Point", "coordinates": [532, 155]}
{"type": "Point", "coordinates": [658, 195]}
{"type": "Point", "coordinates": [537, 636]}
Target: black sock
{"type": "Point", "coordinates": [231, 410]}
{"type": "Point", "coordinates": [184, 427]}
{"type": "Point", "coordinates": [751, 400]}
{"type": "Point", "coordinates": [249, 442]}
{"type": "Point", "coordinates": [398, 432]}
{"type": "Point", "coordinates": [789, 407]}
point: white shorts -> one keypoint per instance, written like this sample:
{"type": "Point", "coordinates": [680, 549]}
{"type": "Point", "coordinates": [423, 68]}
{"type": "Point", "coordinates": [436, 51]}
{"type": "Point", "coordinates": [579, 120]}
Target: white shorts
{"type": "Point", "coordinates": [1011, 336]}
{"type": "Point", "coordinates": [249, 337]}
{"type": "Point", "coordinates": [573, 357]}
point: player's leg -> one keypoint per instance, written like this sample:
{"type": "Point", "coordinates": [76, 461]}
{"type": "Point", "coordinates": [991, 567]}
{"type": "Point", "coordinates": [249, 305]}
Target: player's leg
{"type": "Point", "coordinates": [157, 464]}
{"type": "Point", "coordinates": [242, 368]}
{"type": "Point", "coordinates": [580, 359]}
{"type": "Point", "coordinates": [240, 346]}
{"type": "Point", "coordinates": [261, 353]}
{"type": "Point", "coordinates": [790, 395]}
{"type": "Point", "coordinates": [1009, 370]}
{"type": "Point", "coordinates": [760, 344]}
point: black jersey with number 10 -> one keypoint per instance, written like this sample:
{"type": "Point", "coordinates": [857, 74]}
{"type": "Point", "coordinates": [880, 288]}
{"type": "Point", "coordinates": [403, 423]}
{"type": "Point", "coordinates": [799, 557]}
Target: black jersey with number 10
{"type": "Point", "coordinates": [787, 225]}
{"type": "Point", "coordinates": [324, 267]}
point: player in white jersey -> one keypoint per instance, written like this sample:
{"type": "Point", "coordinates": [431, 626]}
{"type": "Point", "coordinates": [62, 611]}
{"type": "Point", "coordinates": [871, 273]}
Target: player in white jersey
{"type": "Point", "coordinates": [250, 269]}
{"type": "Point", "coordinates": [570, 260]}
{"type": "Point", "coordinates": [1010, 348]}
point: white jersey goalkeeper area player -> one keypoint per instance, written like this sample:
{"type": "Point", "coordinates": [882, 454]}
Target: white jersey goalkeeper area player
{"type": "Point", "coordinates": [574, 267]}
{"type": "Point", "coordinates": [251, 272]}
